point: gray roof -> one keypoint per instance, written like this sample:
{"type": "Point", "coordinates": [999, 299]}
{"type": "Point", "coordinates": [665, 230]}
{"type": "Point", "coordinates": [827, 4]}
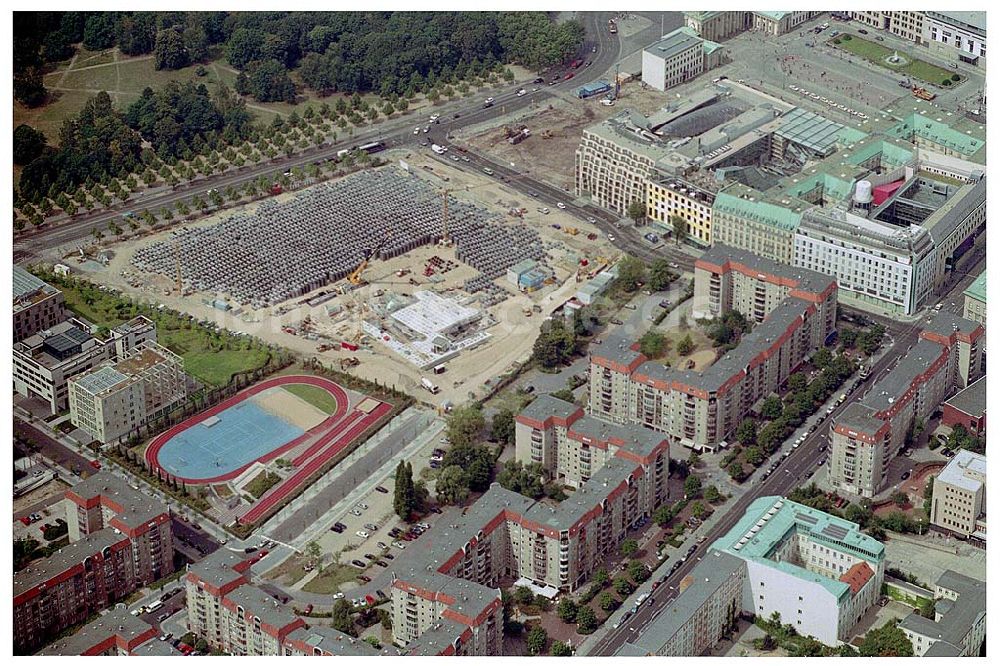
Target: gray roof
{"type": "Point", "coordinates": [910, 366]}
{"type": "Point", "coordinates": [956, 472]}
{"type": "Point", "coordinates": [25, 285]}
{"type": "Point", "coordinates": [975, 19]}
{"type": "Point", "coordinates": [218, 567]}
{"type": "Point", "coordinates": [946, 323]}
{"type": "Point", "coordinates": [807, 280]}
{"type": "Point", "coordinates": [859, 418]}
{"type": "Point", "coordinates": [65, 558]}
{"type": "Point", "coordinates": [672, 44]}
{"type": "Point", "coordinates": [434, 641]}
{"type": "Point", "coordinates": [944, 221]}
{"type": "Point", "coordinates": [138, 507]}
{"type": "Point", "coordinates": [964, 613]}
{"type": "Point", "coordinates": [156, 648]}
{"type": "Point", "coordinates": [546, 405]}
{"type": "Point", "coordinates": [259, 603]}
{"type": "Point", "coordinates": [101, 379]}
{"type": "Point", "coordinates": [708, 576]}
{"type": "Point", "coordinates": [617, 349]}
{"type": "Point", "coordinates": [332, 641]}
{"type": "Point", "coordinates": [471, 598]}
{"type": "Point", "coordinates": [118, 622]}
{"type": "Point", "coordinates": [972, 399]}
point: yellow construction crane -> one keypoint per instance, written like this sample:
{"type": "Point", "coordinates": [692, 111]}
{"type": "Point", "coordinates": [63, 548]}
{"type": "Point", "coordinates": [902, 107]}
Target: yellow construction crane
{"type": "Point", "coordinates": [355, 276]}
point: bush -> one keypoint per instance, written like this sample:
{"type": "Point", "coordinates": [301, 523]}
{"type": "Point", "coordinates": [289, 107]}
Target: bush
{"type": "Point", "coordinates": [847, 38]}
{"type": "Point", "coordinates": [956, 78]}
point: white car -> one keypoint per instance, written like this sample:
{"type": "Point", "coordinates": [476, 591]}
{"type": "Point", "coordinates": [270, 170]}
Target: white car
{"type": "Point", "coordinates": [416, 130]}
{"type": "Point", "coordinates": [561, 206]}
{"type": "Point", "coordinates": [362, 534]}
{"type": "Point", "coordinates": [489, 100]}
{"type": "Point", "coordinates": [399, 544]}
{"type": "Point", "coordinates": [338, 595]}
{"type": "Point", "coordinates": [543, 211]}
{"type": "Point", "coordinates": [642, 598]}
{"type": "Point", "coordinates": [611, 237]}
{"type": "Point", "coordinates": [355, 512]}
{"type": "Point", "coordinates": [522, 92]}
{"type": "Point", "coordinates": [434, 117]}
{"type": "Point", "coordinates": [427, 129]}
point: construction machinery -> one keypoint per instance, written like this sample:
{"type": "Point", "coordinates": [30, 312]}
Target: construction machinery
{"type": "Point", "coordinates": [355, 277]}
{"type": "Point", "coordinates": [346, 363]}
{"type": "Point", "coordinates": [923, 93]}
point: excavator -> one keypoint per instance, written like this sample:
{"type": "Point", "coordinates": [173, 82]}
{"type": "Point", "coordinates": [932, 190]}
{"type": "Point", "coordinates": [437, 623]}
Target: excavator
{"type": "Point", "coordinates": [355, 276]}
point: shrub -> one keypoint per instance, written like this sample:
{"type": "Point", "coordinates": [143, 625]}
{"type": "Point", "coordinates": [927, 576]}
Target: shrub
{"type": "Point", "coordinates": [956, 77]}
{"type": "Point", "coordinates": [847, 38]}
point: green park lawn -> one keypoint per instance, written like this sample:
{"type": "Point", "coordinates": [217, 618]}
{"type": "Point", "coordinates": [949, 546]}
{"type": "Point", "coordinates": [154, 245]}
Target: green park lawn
{"type": "Point", "coordinates": [877, 54]}
{"type": "Point", "coordinates": [315, 396]}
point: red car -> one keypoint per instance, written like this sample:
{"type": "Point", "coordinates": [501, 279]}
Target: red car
{"type": "Point", "coordinates": [26, 520]}
{"type": "Point", "coordinates": [96, 464]}
{"type": "Point", "coordinates": [568, 76]}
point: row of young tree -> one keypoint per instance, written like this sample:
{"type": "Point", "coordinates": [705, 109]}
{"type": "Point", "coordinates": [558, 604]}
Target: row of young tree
{"type": "Point", "coordinates": [383, 52]}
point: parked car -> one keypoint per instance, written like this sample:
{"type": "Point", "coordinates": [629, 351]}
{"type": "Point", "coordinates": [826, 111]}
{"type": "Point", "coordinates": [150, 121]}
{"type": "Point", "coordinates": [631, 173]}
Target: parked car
{"type": "Point", "coordinates": [397, 544]}
{"type": "Point", "coordinates": [905, 475]}
{"type": "Point", "coordinates": [862, 32]}
{"type": "Point", "coordinates": [364, 579]}
{"type": "Point", "coordinates": [355, 512]}
{"type": "Point", "coordinates": [371, 526]}
{"type": "Point", "coordinates": [362, 534]}
{"type": "Point", "coordinates": [370, 557]}
{"type": "Point", "coordinates": [381, 563]}
{"type": "Point", "coordinates": [642, 598]}
{"type": "Point", "coordinates": [381, 489]}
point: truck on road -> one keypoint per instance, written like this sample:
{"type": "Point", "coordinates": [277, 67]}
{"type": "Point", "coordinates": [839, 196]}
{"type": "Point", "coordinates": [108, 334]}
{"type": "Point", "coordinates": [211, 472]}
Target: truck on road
{"type": "Point", "coordinates": [440, 150]}
{"type": "Point", "coordinates": [429, 385]}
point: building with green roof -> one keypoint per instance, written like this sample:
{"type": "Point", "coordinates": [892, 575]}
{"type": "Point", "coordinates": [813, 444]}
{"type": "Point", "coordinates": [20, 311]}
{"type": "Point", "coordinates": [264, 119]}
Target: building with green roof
{"type": "Point", "coordinates": [748, 219]}
{"type": "Point", "coordinates": [817, 571]}
{"type": "Point", "coordinates": [975, 300]}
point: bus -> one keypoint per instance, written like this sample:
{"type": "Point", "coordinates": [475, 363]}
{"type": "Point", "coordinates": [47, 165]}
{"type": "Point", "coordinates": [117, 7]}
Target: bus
{"type": "Point", "coordinates": [373, 147]}
{"type": "Point", "coordinates": [155, 606]}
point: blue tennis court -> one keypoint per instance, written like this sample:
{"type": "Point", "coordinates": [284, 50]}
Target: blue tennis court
{"type": "Point", "coordinates": [226, 442]}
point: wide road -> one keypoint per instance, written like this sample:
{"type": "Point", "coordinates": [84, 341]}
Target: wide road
{"type": "Point", "coordinates": [395, 133]}
{"type": "Point", "coordinates": [790, 474]}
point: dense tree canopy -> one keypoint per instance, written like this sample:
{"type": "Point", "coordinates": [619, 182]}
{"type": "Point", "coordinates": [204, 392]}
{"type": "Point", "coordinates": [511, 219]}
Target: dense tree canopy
{"type": "Point", "coordinates": [28, 144]}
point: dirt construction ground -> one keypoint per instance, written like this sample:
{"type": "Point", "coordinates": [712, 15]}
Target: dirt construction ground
{"type": "Point", "coordinates": [562, 121]}
{"type": "Point", "coordinates": [511, 338]}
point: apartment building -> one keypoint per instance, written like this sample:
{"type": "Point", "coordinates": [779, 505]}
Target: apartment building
{"type": "Point", "coordinates": [113, 400]}
{"type": "Point", "coordinates": [779, 23]}
{"type": "Point", "coordinates": [794, 312]}
{"type": "Point", "coordinates": [745, 219]}
{"type": "Point", "coordinates": [959, 501]}
{"type": "Point", "coordinates": [876, 265]}
{"type": "Point", "coordinates": [436, 614]}
{"type": "Point", "coordinates": [117, 634]}
{"type": "Point", "coordinates": [708, 602]}
{"type": "Point", "coordinates": [668, 198]}
{"type": "Point", "coordinates": [717, 26]}
{"type": "Point", "coordinates": [44, 361]}
{"type": "Point", "coordinates": [958, 35]}
{"type": "Point", "coordinates": [967, 408]}
{"type": "Point", "coordinates": [37, 305]}
{"type": "Point", "coordinates": [677, 58]}
{"type": "Point", "coordinates": [975, 300]}
{"type": "Point", "coordinates": [820, 573]}
{"type": "Point", "coordinates": [959, 625]}
{"type": "Point", "coordinates": [614, 160]}
{"type": "Point", "coordinates": [571, 446]}
{"type": "Point", "coordinates": [321, 641]}
{"type": "Point", "coordinates": [120, 542]}
{"type": "Point", "coordinates": [872, 430]}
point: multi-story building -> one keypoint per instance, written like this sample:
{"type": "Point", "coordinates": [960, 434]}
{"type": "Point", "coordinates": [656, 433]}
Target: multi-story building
{"type": "Point", "coordinates": [872, 430]}
{"type": "Point", "coordinates": [572, 446]}
{"type": "Point", "coordinates": [677, 58]}
{"type": "Point", "coordinates": [959, 625]}
{"type": "Point", "coordinates": [668, 198]}
{"type": "Point", "coordinates": [794, 312]}
{"type": "Point", "coordinates": [960, 35]}
{"type": "Point", "coordinates": [117, 634]}
{"type": "Point", "coordinates": [875, 264]}
{"type": "Point", "coordinates": [908, 26]}
{"type": "Point", "coordinates": [106, 403]}
{"type": "Point", "coordinates": [121, 541]}
{"type": "Point", "coordinates": [709, 600]}
{"type": "Point", "coordinates": [37, 305]}
{"type": "Point", "coordinates": [743, 218]}
{"type": "Point", "coordinates": [44, 361]}
{"type": "Point", "coordinates": [321, 641]}
{"type": "Point", "coordinates": [779, 23]}
{"type": "Point", "coordinates": [614, 161]}
{"type": "Point", "coordinates": [717, 26]}
{"type": "Point", "coordinates": [131, 334]}
{"type": "Point", "coordinates": [113, 400]}
{"type": "Point", "coordinates": [975, 300]}
{"type": "Point", "coordinates": [959, 501]}
{"type": "Point", "coordinates": [820, 573]}
{"type": "Point", "coordinates": [967, 408]}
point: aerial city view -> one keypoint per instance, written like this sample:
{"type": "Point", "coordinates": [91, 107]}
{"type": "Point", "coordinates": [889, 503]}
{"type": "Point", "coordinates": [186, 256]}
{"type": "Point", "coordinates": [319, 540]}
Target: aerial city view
{"type": "Point", "coordinates": [499, 333]}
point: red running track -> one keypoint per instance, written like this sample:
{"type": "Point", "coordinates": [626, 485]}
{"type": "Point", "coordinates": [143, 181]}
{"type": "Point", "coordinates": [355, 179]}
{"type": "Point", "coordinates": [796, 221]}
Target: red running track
{"type": "Point", "coordinates": [343, 439]}
{"type": "Point", "coordinates": [331, 423]}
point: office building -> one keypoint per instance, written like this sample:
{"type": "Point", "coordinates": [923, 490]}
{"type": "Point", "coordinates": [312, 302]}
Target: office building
{"type": "Point", "coordinates": [113, 400]}
{"type": "Point", "coordinates": [709, 601]}
{"type": "Point", "coordinates": [717, 26]}
{"type": "Point", "coordinates": [793, 312]}
{"type": "Point", "coordinates": [120, 542]}
{"type": "Point", "coordinates": [746, 219]}
{"type": "Point", "coordinates": [872, 430]}
{"type": "Point", "coordinates": [959, 501]}
{"type": "Point", "coordinates": [975, 300]}
{"type": "Point", "coordinates": [957, 35]}
{"type": "Point", "coordinates": [908, 26]}
{"type": "Point", "coordinates": [131, 334]}
{"type": "Point", "coordinates": [817, 571]}
{"type": "Point", "coordinates": [959, 625]}
{"type": "Point", "coordinates": [779, 23]}
{"type": "Point", "coordinates": [37, 305]}
{"type": "Point", "coordinates": [677, 58]}
{"type": "Point", "coordinates": [669, 198]}
{"type": "Point", "coordinates": [44, 361]}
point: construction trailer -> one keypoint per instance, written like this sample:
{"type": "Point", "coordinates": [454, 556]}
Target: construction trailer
{"type": "Point", "coordinates": [591, 89]}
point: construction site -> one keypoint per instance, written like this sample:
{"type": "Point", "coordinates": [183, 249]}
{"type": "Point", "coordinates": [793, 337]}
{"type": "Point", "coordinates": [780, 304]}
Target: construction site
{"type": "Point", "coordinates": [546, 151]}
{"type": "Point", "coordinates": [400, 274]}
